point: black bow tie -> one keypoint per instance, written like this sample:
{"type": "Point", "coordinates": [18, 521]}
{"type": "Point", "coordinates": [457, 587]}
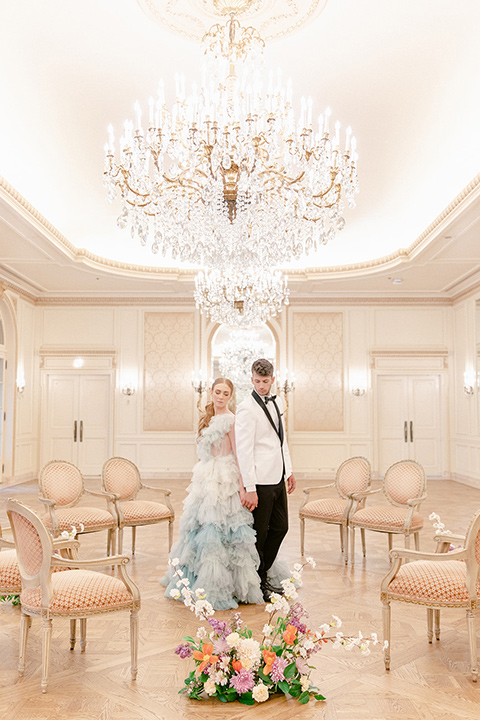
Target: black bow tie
{"type": "Point", "coordinates": [270, 398]}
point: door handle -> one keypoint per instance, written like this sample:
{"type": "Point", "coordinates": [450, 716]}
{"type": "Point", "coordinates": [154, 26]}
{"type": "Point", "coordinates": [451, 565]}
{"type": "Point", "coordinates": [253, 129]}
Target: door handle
{"type": "Point", "coordinates": [411, 431]}
{"type": "Point", "coordinates": [405, 431]}
{"type": "Point", "coordinates": [81, 430]}
{"type": "Point", "coordinates": [75, 431]}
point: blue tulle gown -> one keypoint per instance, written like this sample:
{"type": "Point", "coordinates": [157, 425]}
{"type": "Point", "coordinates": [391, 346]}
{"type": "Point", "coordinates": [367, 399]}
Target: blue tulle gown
{"type": "Point", "coordinates": [216, 547]}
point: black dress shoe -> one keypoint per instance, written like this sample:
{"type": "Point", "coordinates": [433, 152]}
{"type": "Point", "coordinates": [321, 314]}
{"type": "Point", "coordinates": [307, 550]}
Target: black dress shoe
{"type": "Point", "coordinates": [267, 585]}
{"type": "Point", "coordinates": [267, 594]}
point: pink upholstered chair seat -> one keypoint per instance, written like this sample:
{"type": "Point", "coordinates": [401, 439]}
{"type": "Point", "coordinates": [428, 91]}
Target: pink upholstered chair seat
{"type": "Point", "coordinates": [383, 517]}
{"type": "Point", "coordinates": [80, 591]}
{"type": "Point", "coordinates": [91, 518]}
{"type": "Point", "coordinates": [139, 512]}
{"type": "Point", "coordinates": [330, 509]}
{"type": "Point", "coordinates": [10, 579]}
{"type": "Point", "coordinates": [427, 582]}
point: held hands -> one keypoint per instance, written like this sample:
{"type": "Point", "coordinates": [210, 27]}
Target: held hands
{"type": "Point", "coordinates": [291, 483]}
{"type": "Point", "coordinates": [250, 500]}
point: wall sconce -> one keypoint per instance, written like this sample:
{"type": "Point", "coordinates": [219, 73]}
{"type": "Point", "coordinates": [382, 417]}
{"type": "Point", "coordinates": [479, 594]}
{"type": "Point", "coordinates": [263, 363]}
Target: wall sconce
{"type": "Point", "coordinates": [200, 386]}
{"type": "Point", "coordinates": [468, 383]}
{"type": "Point", "coordinates": [20, 386]}
{"type": "Point", "coordinates": [358, 391]}
{"type": "Point", "coordinates": [287, 384]}
{"type": "Point", "coordinates": [128, 390]}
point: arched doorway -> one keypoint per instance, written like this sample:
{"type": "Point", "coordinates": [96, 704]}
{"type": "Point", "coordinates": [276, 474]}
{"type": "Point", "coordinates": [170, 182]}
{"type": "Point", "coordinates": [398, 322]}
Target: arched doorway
{"type": "Point", "coordinates": [7, 389]}
{"type": "Point", "coordinates": [234, 349]}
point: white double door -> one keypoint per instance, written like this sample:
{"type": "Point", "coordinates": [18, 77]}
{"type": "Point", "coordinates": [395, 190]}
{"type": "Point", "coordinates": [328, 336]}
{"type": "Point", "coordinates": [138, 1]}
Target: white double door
{"type": "Point", "coordinates": [409, 421]}
{"type": "Point", "coordinates": [77, 420]}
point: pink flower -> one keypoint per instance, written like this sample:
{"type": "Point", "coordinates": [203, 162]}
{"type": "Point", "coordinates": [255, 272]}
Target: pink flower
{"type": "Point", "coordinates": [242, 681]}
{"type": "Point", "coordinates": [277, 669]}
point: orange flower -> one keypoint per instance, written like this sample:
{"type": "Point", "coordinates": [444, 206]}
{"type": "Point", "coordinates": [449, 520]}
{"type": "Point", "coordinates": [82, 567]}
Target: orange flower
{"type": "Point", "coordinates": [290, 634]}
{"type": "Point", "coordinates": [269, 658]}
{"type": "Point", "coordinates": [237, 665]}
{"type": "Point", "coordinates": [205, 655]}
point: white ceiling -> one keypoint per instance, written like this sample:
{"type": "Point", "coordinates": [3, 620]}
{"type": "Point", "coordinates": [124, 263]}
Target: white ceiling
{"type": "Point", "coordinates": [404, 75]}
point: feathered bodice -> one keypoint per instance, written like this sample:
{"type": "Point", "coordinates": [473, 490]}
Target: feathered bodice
{"type": "Point", "coordinates": [213, 440]}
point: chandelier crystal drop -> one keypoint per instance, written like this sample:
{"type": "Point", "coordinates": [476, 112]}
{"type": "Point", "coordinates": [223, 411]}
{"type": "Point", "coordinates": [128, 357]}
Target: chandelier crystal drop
{"type": "Point", "coordinates": [243, 299]}
{"type": "Point", "coordinates": [231, 175]}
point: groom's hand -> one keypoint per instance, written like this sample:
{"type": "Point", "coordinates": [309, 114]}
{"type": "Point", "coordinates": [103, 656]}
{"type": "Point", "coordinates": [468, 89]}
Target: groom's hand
{"type": "Point", "coordinates": [250, 500]}
{"type": "Point", "coordinates": [291, 483]}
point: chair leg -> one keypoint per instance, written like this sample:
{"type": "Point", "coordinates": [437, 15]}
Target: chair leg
{"type": "Point", "coordinates": [352, 543]}
{"type": "Point", "coordinates": [134, 538]}
{"type": "Point", "coordinates": [437, 624]}
{"type": "Point", "coordinates": [46, 642]}
{"type": "Point", "coordinates": [120, 541]}
{"type": "Point", "coordinates": [430, 624]}
{"type": "Point", "coordinates": [364, 546]}
{"type": "Point", "coordinates": [386, 612]}
{"type": "Point", "coordinates": [416, 538]}
{"type": "Point", "coordinates": [134, 643]}
{"type": "Point", "coordinates": [302, 536]}
{"type": "Point", "coordinates": [345, 535]}
{"type": "Point", "coordinates": [73, 633]}
{"type": "Point", "coordinates": [341, 537]}
{"type": "Point", "coordinates": [407, 541]}
{"type": "Point", "coordinates": [170, 534]}
{"type": "Point", "coordinates": [390, 541]}
{"type": "Point", "coordinates": [25, 622]}
{"type": "Point", "coordinates": [473, 643]}
{"type": "Point", "coordinates": [83, 634]}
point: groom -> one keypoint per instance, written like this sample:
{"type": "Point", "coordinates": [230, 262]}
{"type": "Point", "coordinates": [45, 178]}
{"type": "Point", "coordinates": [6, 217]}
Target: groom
{"type": "Point", "coordinates": [264, 462]}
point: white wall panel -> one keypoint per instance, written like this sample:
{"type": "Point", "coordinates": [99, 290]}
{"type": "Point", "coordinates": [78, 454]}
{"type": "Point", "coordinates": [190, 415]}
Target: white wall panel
{"type": "Point", "coordinates": [77, 326]}
{"type": "Point", "coordinates": [409, 327]}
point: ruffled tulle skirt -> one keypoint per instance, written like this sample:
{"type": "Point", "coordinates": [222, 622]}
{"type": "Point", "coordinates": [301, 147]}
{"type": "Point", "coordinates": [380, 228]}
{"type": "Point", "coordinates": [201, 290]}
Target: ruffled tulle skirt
{"type": "Point", "coordinates": [216, 547]}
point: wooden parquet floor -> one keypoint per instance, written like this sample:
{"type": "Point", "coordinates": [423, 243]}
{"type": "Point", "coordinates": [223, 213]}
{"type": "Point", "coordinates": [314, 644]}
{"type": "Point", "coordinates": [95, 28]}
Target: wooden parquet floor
{"type": "Point", "coordinates": [426, 682]}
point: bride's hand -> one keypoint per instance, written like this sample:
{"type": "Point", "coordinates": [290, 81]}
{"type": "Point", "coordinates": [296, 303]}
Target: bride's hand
{"type": "Point", "coordinates": [250, 501]}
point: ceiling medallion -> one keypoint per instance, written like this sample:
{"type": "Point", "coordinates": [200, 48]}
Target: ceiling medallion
{"type": "Point", "coordinates": [273, 18]}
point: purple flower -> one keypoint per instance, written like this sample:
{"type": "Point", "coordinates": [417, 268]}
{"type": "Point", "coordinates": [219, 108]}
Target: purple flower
{"type": "Point", "coordinates": [184, 650]}
{"type": "Point", "coordinates": [278, 667]}
{"type": "Point", "coordinates": [220, 646]}
{"type": "Point", "coordinates": [237, 620]}
{"type": "Point", "coordinates": [301, 627]}
{"type": "Point", "coordinates": [297, 611]}
{"type": "Point", "coordinates": [243, 681]}
{"type": "Point", "coordinates": [220, 626]}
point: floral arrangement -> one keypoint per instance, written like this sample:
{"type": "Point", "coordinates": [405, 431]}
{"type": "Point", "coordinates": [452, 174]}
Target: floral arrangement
{"type": "Point", "coordinates": [231, 665]}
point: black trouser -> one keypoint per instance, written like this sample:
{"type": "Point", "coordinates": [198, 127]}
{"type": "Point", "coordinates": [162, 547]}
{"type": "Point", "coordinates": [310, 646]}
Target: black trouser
{"type": "Point", "coordinates": [270, 522]}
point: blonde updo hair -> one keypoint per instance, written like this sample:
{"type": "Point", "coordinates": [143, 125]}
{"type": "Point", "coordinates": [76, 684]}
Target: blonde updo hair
{"type": "Point", "coordinates": [209, 411]}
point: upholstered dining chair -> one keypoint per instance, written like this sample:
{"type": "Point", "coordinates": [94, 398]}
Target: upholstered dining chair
{"type": "Point", "coordinates": [121, 479]}
{"type": "Point", "coordinates": [61, 489]}
{"type": "Point", "coordinates": [76, 593]}
{"type": "Point", "coordinates": [404, 488]}
{"type": "Point", "coordinates": [10, 579]}
{"type": "Point", "coordinates": [353, 475]}
{"type": "Point", "coordinates": [436, 581]}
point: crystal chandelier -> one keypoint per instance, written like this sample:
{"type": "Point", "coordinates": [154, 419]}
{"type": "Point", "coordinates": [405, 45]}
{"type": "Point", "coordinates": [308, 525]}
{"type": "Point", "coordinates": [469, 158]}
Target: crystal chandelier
{"type": "Point", "coordinates": [231, 175]}
{"type": "Point", "coordinates": [241, 298]}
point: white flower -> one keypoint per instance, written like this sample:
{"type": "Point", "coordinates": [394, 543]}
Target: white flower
{"type": "Point", "coordinates": [201, 632]}
{"type": "Point", "coordinates": [385, 644]}
{"type": "Point", "coordinates": [305, 682]}
{"type": "Point", "coordinates": [175, 594]}
{"type": "Point", "coordinates": [232, 639]}
{"type": "Point", "coordinates": [311, 562]}
{"type": "Point", "coordinates": [324, 628]}
{"type": "Point", "coordinates": [268, 642]}
{"type": "Point", "coordinates": [200, 593]}
{"type": "Point", "coordinates": [335, 622]}
{"type": "Point", "coordinates": [279, 603]}
{"type": "Point", "coordinates": [210, 687]}
{"type": "Point", "coordinates": [374, 638]}
{"type": "Point", "coordinates": [225, 663]}
{"type": "Point", "coordinates": [260, 693]}
{"type": "Point", "coordinates": [203, 608]}
{"type": "Point", "coordinates": [289, 590]}
{"type": "Point", "coordinates": [433, 516]}
{"type": "Point", "coordinates": [218, 677]}
{"type": "Point", "coordinates": [249, 653]}
{"type": "Point", "coordinates": [308, 644]}
{"type": "Point", "coordinates": [302, 652]}
{"type": "Point", "coordinates": [185, 582]}
{"type": "Point", "coordinates": [267, 630]}
{"type": "Point", "coordinates": [175, 561]}
{"type": "Point", "coordinates": [296, 575]}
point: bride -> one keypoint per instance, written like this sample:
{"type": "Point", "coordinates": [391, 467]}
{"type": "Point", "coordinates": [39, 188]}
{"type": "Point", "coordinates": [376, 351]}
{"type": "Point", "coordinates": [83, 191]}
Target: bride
{"type": "Point", "coordinates": [216, 548]}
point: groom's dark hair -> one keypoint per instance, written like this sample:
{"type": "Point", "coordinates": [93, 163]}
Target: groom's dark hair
{"type": "Point", "coordinates": [263, 367]}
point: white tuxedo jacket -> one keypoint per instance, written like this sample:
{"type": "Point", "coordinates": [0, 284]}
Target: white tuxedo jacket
{"type": "Point", "coordinates": [259, 452]}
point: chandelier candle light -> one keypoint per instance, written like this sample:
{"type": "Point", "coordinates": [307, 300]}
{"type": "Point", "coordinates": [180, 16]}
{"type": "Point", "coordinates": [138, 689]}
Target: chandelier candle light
{"type": "Point", "coordinates": [231, 176]}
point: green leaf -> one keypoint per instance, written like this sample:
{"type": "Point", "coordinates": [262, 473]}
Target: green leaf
{"type": "Point", "coordinates": [290, 670]}
{"type": "Point", "coordinates": [304, 698]}
{"type": "Point", "coordinates": [189, 639]}
{"type": "Point", "coordinates": [295, 691]}
{"type": "Point", "coordinates": [284, 687]}
{"type": "Point", "coordinates": [319, 697]}
{"type": "Point", "coordinates": [246, 699]}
